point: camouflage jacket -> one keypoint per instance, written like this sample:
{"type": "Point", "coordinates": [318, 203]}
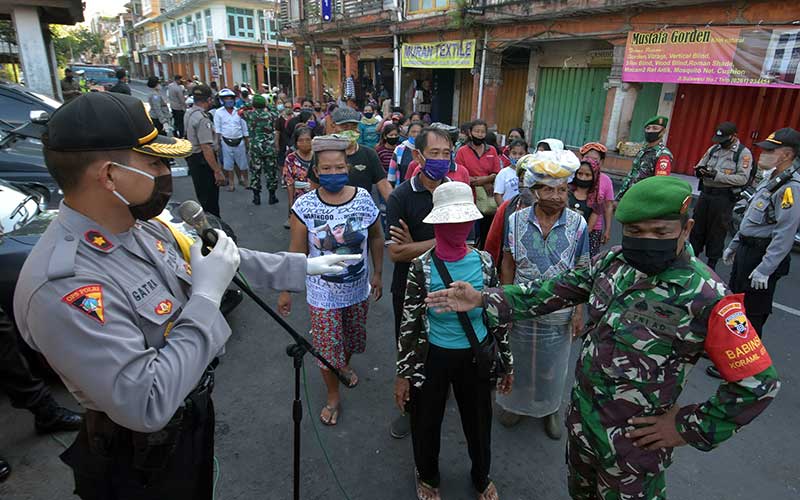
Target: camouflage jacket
{"type": "Point", "coordinates": [260, 124]}
{"type": "Point", "coordinates": [644, 336]}
{"type": "Point", "coordinates": [649, 161]}
{"type": "Point", "coordinates": [412, 345]}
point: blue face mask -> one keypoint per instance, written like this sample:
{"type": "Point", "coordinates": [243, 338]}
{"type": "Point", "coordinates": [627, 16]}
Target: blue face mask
{"type": "Point", "coordinates": [280, 107]}
{"type": "Point", "coordinates": [333, 183]}
{"type": "Point", "coordinates": [312, 123]}
{"type": "Point", "coordinates": [436, 169]}
{"type": "Point", "coordinates": [513, 161]}
{"type": "Point", "coordinates": [228, 103]}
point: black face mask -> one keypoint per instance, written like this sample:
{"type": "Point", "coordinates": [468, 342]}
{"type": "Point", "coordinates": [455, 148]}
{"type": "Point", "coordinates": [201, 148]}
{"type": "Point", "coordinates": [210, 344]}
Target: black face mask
{"type": "Point", "coordinates": [317, 109]}
{"type": "Point", "coordinates": [68, 78]}
{"type": "Point", "coordinates": [649, 255]}
{"type": "Point", "coordinates": [159, 197]}
{"type": "Point", "coordinates": [583, 183]}
{"type": "Point", "coordinates": [651, 136]}
{"type": "Point", "coordinates": [726, 143]}
{"type": "Point", "coordinates": [551, 207]}
{"type": "Point", "coordinates": [392, 140]}
{"type": "Point", "coordinates": [476, 141]}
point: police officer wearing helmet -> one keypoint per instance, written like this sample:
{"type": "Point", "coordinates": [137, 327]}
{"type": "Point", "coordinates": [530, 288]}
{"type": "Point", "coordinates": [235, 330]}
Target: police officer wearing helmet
{"type": "Point", "coordinates": [206, 172]}
{"type": "Point", "coordinates": [136, 304]}
{"type": "Point", "coordinates": [723, 172]}
{"type": "Point", "coordinates": [760, 250]}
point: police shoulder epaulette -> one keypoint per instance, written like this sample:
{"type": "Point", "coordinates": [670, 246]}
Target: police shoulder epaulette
{"type": "Point", "coordinates": [62, 260]}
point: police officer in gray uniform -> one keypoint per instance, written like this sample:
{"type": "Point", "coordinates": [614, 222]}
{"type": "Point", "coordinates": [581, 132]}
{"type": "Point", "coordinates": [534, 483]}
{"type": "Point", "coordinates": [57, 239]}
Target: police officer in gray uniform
{"type": "Point", "coordinates": [130, 323]}
{"type": "Point", "coordinates": [204, 168]}
{"type": "Point", "coordinates": [723, 172]}
{"type": "Point", "coordinates": [760, 250]}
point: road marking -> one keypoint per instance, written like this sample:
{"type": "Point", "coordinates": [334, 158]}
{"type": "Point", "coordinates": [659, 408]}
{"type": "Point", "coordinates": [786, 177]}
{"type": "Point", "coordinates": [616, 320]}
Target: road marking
{"type": "Point", "coordinates": [790, 310]}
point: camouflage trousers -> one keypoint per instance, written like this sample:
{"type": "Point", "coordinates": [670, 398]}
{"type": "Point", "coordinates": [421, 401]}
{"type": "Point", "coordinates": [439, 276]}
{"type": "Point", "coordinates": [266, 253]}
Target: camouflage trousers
{"type": "Point", "coordinates": [263, 161]}
{"type": "Point", "coordinates": [602, 463]}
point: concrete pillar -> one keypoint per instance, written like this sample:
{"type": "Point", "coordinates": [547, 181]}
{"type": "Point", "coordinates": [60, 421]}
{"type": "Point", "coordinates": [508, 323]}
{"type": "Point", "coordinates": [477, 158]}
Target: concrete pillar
{"type": "Point", "coordinates": [630, 92]}
{"type": "Point", "coordinates": [316, 62]}
{"type": "Point", "coordinates": [33, 50]}
{"type": "Point", "coordinates": [260, 78]}
{"type": "Point", "coordinates": [300, 82]}
{"type": "Point", "coordinates": [351, 64]}
{"type": "Point", "coordinates": [492, 81]}
{"type": "Point", "coordinates": [530, 93]}
{"type": "Point", "coordinates": [666, 103]}
{"type": "Point", "coordinates": [610, 132]}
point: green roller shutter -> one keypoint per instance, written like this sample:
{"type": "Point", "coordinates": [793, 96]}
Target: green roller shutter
{"type": "Point", "coordinates": [570, 104]}
{"type": "Point", "coordinates": [646, 107]}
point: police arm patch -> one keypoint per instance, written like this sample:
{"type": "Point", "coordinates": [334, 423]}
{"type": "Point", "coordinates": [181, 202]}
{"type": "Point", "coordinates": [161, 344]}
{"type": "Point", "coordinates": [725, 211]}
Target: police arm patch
{"type": "Point", "coordinates": [87, 299]}
{"type": "Point", "coordinates": [663, 165]}
{"type": "Point", "coordinates": [732, 343]}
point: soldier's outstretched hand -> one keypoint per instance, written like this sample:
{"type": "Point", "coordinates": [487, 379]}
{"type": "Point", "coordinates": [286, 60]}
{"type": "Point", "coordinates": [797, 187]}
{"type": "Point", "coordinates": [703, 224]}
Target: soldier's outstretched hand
{"type": "Point", "coordinates": [659, 431]}
{"type": "Point", "coordinates": [460, 297]}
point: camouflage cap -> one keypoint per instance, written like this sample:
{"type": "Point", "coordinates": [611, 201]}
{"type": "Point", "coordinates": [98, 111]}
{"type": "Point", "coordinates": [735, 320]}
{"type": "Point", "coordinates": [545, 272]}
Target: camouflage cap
{"type": "Point", "coordinates": [331, 142]}
{"type": "Point", "coordinates": [658, 197]}
{"type": "Point", "coordinates": [657, 120]}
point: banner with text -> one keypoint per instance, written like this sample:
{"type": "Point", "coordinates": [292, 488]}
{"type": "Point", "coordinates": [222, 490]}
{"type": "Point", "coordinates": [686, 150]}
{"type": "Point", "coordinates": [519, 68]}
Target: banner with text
{"type": "Point", "coordinates": [457, 54]}
{"type": "Point", "coordinates": [715, 56]}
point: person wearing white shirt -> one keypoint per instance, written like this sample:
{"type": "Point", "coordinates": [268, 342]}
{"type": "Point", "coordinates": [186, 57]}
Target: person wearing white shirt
{"type": "Point", "coordinates": [234, 139]}
{"type": "Point", "coordinates": [506, 184]}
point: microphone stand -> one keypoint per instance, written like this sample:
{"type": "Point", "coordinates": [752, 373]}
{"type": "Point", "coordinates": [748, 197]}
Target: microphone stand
{"type": "Point", "coordinates": [295, 351]}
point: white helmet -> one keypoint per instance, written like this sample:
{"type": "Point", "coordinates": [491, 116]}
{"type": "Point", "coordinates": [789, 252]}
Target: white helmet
{"type": "Point", "coordinates": [226, 93]}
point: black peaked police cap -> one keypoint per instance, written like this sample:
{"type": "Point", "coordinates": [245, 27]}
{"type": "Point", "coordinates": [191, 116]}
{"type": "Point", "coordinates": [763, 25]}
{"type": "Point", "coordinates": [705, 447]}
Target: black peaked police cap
{"type": "Point", "coordinates": [105, 121]}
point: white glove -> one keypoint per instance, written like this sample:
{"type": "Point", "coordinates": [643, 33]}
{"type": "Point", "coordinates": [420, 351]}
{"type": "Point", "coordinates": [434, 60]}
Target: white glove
{"type": "Point", "coordinates": [328, 264]}
{"type": "Point", "coordinates": [211, 274]}
{"type": "Point", "coordinates": [758, 281]}
{"type": "Point", "coordinates": [728, 255]}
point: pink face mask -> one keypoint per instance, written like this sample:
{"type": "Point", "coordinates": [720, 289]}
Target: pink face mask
{"type": "Point", "coordinates": [451, 240]}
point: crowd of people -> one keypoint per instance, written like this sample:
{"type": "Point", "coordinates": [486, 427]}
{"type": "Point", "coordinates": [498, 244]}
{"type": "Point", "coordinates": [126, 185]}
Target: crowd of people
{"type": "Point", "coordinates": [498, 257]}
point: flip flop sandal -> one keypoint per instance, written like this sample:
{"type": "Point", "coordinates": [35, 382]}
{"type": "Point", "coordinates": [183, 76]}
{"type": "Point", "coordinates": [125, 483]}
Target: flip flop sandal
{"type": "Point", "coordinates": [424, 490]}
{"type": "Point", "coordinates": [351, 376]}
{"type": "Point", "coordinates": [333, 415]}
{"type": "Point", "coordinates": [490, 493]}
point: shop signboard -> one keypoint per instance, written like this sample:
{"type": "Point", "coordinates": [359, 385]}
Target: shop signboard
{"type": "Point", "coordinates": [454, 54]}
{"type": "Point", "coordinates": [753, 56]}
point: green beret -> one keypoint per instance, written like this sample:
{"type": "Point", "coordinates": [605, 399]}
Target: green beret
{"type": "Point", "coordinates": [259, 101]}
{"type": "Point", "coordinates": [657, 120]}
{"type": "Point", "coordinates": [657, 197]}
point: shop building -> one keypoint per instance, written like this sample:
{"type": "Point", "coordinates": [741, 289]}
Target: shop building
{"type": "Point", "coordinates": [553, 68]}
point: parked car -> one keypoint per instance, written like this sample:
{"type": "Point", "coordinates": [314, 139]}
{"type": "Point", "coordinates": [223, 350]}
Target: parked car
{"type": "Point", "coordinates": [22, 161]}
{"type": "Point", "coordinates": [17, 102]}
{"type": "Point", "coordinates": [100, 75]}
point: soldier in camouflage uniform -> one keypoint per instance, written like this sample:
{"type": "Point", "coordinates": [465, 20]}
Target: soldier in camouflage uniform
{"type": "Point", "coordinates": [653, 159]}
{"type": "Point", "coordinates": [654, 308]}
{"type": "Point", "coordinates": [263, 149]}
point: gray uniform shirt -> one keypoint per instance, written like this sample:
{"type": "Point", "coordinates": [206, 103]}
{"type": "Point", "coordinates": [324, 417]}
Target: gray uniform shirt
{"type": "Point", "coordinates": [158, 107]}
{"type": "Point", "coordinates": [115, 318]}
{"type": "Point", "coordinates": [729, 174]}
{"type": "Point", "coordinates": [775, 216]}
{"type": "Point", "coordinates": [177, 101]}
{"type": "Point", "coordinates": [199, 128]}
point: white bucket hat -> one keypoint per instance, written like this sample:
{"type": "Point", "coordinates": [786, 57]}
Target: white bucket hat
{"type": "Point", "coordinates": [453, 203]}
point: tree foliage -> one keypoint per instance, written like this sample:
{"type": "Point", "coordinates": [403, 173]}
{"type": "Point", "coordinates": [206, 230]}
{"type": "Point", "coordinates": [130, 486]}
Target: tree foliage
{"type": "Point", "coordinates": [76, 43]}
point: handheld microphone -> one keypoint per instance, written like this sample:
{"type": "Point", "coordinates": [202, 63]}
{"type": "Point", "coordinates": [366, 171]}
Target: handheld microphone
{"type": "Point", "coordinates": [192, 214]}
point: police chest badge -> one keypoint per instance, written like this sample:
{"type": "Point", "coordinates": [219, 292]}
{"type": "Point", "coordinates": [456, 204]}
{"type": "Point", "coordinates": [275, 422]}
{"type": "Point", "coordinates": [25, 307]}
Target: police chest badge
{"type": "Point", "coordinates": [164, 307]}
{"type": "Point", "coordinates": [88, 300]}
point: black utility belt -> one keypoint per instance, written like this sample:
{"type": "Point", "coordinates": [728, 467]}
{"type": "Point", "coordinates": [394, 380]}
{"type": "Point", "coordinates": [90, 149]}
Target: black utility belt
{"type": "Point", "coordinates": [753, 242]}
{"type": "Point", "coordinates": [233, 142]}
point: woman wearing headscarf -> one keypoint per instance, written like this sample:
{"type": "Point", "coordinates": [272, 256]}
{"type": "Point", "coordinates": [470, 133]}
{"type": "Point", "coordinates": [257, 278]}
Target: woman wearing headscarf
{"type": "Point", "coordinates": [542, 241]}
{"type": "Point", "coordinates": [597, 151]}
{"type": "Point", "coordinates": [585, 197]}
{"type": "Point", "coordinates": [435, 350]}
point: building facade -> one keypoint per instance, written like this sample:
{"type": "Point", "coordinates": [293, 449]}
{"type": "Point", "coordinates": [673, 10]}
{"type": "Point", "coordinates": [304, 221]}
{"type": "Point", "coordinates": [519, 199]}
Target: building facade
{"type": "Point", "coordinates": [222, 41]}
{"type": "Point", "coordinates": [552, 68]}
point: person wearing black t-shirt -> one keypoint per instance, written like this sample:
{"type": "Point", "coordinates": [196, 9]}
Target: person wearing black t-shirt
{"type": "Point", "coordinates": [365, 166]}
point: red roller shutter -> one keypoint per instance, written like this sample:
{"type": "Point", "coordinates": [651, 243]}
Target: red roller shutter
{"type": "Point", "coordinates": [756, 111]}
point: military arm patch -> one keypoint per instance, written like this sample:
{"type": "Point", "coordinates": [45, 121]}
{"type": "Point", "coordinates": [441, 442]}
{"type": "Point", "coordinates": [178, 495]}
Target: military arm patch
{"type": "Point", "coordinates": [732, 343]}
{"type": "Point", "coordinates": [88, 300]}
{"type": "Point", "coordinates": [663, 165]}
{"type": "Point", "coordinates": [788, 198]}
